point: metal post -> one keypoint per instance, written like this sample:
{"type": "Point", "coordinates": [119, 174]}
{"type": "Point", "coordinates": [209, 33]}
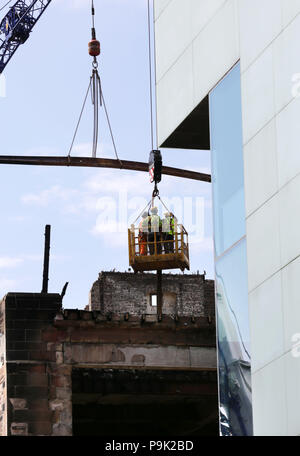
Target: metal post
{"type": "Point", "coordinates": [159, 294]}
{"type": "Point", "coordinates": [182, 241]}
{"type": "Point", "coordinates": [46, 259]}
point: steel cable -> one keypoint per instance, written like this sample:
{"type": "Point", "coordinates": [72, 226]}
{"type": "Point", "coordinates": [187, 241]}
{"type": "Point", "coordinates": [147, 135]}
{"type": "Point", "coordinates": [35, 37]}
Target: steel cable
{"type": "Point", "coordinates": [95, 100]}
{"type": "Point", "coordinates": [79, 120]}
{"type": "Point", "coordinates": [147, 207]}
{"type": "Point", "coordinates": [109, 123]}
{"type": "Point", "coordinates": [2, 8]}
{"type": "Point", "coordinates": [150, 71]}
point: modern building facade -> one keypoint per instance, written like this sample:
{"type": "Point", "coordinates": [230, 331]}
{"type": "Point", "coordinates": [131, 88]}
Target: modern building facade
{"type": "Point", "coordinates": [227, 75]}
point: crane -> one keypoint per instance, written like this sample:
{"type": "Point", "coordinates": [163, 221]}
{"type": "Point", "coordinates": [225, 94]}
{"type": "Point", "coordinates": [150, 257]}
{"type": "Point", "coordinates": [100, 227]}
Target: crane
{"type": "Point", "coordinates": [15, 29]}
{"type": "Point", "coordinates": [16, 26]}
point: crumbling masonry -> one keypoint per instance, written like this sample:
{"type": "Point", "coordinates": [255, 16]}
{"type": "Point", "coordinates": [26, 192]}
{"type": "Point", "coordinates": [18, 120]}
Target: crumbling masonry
{"type": "Point", "coordinates": [113, 369]}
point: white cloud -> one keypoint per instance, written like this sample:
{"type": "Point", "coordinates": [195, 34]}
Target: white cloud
{"type": "Point", "coordinates": [42, 151]}
{"type": "Point", "coordinates": [6, 285]}
{"type": "Point", "coordinates": [110, 235]}
{"type": "Point", "coordinates": [112, 181]}
{"type": "Point", "coordinates": [9, 262]}
{"type": "Point", "coordinates": [104, 150]}
{"type": "Point", "coordinates": [117, 197]}
{"type": "Point", "coordinates": [53, 194]}
{"type": "Point", "coordinates": [32, 257]}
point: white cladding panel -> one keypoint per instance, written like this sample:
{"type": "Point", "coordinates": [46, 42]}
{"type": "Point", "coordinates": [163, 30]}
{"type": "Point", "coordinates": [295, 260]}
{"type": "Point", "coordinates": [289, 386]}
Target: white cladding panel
{"type": "Point", "coordinates": [205, 32]}
{"type": "Point", "coordinates": [197, 42]}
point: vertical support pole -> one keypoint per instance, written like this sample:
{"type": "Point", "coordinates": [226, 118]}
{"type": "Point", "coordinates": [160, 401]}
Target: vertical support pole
{"type": "Point", "coordinates": [46, 259]}
{"type": "Point", "coordinates": [129, 246]}
{"type": "Point", "coordinates": [159, 294]}
{"type": "Point", "coordinates": [182, 241]}
{"type": "Point", "coordinates": [176, 242]}
{"type": "Point", "coordinates": [176, 236]}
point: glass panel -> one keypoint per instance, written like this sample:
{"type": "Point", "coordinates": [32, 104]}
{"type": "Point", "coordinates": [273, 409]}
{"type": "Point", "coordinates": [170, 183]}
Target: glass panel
{"type": "Point", "coordinates": [227, 161]}
{"type": "Point", "coordinates": [234, 342]}
{"type": "Point", "coordinates": [231, 260]}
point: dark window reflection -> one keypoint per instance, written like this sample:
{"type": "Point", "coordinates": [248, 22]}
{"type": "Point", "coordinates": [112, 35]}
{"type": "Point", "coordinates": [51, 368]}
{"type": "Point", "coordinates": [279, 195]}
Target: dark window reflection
{"type": "Point", "coordinates": [233, 341]}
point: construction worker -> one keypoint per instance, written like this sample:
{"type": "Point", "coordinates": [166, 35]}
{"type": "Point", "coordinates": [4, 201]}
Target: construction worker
{"type": "Point", "coordinates": [143, 233]}
{"type": "Point", "coordinates": [155, 232]}
{"type": "Point", "coordinates": [168, 228]}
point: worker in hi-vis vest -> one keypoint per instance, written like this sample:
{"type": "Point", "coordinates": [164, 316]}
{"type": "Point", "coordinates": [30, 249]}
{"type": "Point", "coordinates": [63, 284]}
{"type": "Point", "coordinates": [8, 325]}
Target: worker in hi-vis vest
{"type": "Point", "coordinates": [168, 231]}
{"type": "Point", "coordinates": [155, 232]}
{"type": "Point", "coordinates": [143, 233]}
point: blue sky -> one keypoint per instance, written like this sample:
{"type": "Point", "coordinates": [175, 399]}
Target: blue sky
{"type": "Point", "coordinates": [88, 209]}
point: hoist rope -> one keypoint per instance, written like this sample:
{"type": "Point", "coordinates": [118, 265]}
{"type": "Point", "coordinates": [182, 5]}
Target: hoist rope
{"type": "Point", "coordinates": [93, 14]}
{"type": "Point", "coordinates": [95, 83]}
{"type": "Point", "coordinates": [97, 99]}
{"type": "Point", "coordinates": [2, 8]}
{"type": "Point", "coordinates": [78, 123]}
{"type": "Point", "coordinates": [163, 203]}
{"type": "Point", "coordinates": [110, 129]}
{"type": "Point", "coordinates": [144, 210]}
{"type": "Point", "coordinates": [148, 207]}
{"type": "Point", "coordinates": [150, 71]}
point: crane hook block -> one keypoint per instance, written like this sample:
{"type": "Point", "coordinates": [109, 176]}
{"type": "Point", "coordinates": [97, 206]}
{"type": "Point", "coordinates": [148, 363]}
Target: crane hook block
{"type": "Point", "coordinates": [155, 166]}
{"type": "Point", "coordinates": [94, 48]}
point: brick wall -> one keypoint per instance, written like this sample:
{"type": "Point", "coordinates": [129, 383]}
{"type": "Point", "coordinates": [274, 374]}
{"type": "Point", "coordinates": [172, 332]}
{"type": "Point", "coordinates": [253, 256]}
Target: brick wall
{"type": "Point", "coordinates": [28, 358]}
{"type": "Point", "coordinates": [3, 401]}
{"type": "Point", "coordinates": [116, 292]}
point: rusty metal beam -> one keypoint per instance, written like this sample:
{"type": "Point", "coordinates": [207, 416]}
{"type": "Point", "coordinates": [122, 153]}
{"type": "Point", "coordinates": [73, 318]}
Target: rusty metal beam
{"type": "Point", "coordinates": [99, 163]}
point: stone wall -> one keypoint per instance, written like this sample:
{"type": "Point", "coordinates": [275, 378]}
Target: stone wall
{"type": "Point", "coordinates": [184, 294]}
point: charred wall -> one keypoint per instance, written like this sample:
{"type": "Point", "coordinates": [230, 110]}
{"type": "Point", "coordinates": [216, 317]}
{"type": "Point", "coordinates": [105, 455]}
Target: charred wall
{"type": "Point", "coordinates": [3, 396]}
{"type": "Point", "coordinates": [46, 350]}
{"type": "Point", "coordinates": [122, 402]}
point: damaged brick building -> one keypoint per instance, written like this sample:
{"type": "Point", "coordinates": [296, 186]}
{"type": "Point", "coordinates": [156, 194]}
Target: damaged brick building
{"type": "Point", "coordinates": [115, 368]}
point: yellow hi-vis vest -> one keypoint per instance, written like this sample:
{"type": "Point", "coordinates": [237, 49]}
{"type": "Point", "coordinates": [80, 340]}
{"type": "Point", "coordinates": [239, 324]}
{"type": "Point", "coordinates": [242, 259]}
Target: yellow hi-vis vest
{"type": "Point", "coordinates": [168, 225]}
{"type": "Point", "coordinates": [145, 225]}
{"type": "Point", "coordinates": [155, 223]}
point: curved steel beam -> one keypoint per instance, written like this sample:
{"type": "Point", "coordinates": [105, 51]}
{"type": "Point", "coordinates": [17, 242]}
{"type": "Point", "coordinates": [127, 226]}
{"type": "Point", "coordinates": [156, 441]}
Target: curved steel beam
{"type": "Point", "coordinates": [99, 163]}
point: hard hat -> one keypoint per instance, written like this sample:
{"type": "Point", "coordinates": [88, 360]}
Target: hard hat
{"type": "Point", "coordinates": [154, 210]}
{"type": "Point", "coordinates": [167, 214]}
{"type": "Point", "coordinates": [145, 214]}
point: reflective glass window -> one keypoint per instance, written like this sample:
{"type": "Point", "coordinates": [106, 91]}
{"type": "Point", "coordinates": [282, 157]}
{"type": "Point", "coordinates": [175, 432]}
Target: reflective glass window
{"type": "Point", "coordinates": [234, 363]}
{"type": "Point", "coordinates": [234, 341]}
{"type": "Point", "coordinates": [227, 161]}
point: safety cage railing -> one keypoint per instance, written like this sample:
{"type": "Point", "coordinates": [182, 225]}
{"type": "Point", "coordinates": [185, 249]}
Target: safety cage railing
{"type": "Point", "coordinates": [154, 251]}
